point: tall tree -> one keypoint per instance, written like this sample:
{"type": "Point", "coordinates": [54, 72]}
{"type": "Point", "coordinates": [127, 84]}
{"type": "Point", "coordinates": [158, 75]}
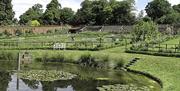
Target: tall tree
{"type": "Point", "coordinates": [33, 13]}
{"type": "Point", "coordinates": [122, 13]}
{"type": "Point", "coordinates": [52, 13]}
{"type": "Point", "coordinates": [177, 8]}
{"type": "Point", "coordinates": [100, 12]}
{"type": "Point", "coordinates": [84, 15]}
{"type": "Point", "coordinates": [6, 12]}
{"type": "Point", "coordinates": [158, 8]}
{"type": "Point", "coordinates": [67, 15]}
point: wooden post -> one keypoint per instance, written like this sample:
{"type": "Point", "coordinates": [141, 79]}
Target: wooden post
{"type": "Point", "coordinates": [166, 47]}
{"type": "Point", "coordinates": [19, 62]}
{"type": "Point", "coordinates": [175, 48]}
{"type": "Point", "coordinates": [159, 47]}
{"type": "Point", "coordinates": [126, 44]}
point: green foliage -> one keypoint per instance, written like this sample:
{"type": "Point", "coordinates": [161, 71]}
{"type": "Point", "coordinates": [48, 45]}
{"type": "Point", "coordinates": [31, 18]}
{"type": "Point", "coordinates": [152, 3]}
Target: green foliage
{"type": "Point", "coordinates": [172, 18]}
{"type": "Point", "coordinates": [67, 15]}
{"type": "Point", "coordinates": [52, 13]}
{"type": "Point", "coordinates": [33, 13]}
{"type": "Point", "coordinates": [145, 32]}
{"type": "Point", "coordinates": [6, 12]}
{"type": "Point", "coordinates": [18, 32]}
{"type": "Point", "coordinates": [46, 75]}
{"type": "Point", "coordinates": [4, 55]}
{"type": "Point", "coordinates": [158, 8]}
{"type": "Point", "coordinates": [177, 8]}
{"type": "Point", "coordinates": [34, 23]}
{"type": "Point", "coordinates": [100, 12]}
{"type": "Point", "coordinates": [7, 33]}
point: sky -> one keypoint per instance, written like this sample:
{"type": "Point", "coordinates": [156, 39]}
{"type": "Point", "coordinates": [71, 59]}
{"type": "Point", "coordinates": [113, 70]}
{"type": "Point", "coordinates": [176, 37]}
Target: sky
{"type": "Point", "coordinates": [20, 6]}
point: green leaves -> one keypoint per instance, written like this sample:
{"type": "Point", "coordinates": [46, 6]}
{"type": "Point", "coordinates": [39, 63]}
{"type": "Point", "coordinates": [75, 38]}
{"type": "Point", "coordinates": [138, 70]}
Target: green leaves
{"type": "Point", "coordinates": [52, 13]}
{"type": "Point", "coordinates": [145, 32]}
{"type": "Point", "coordinates": [46, 75]}
{"type": "Point", "coordinates": [158, 8]}
{"type": "Point", "coordinates": [6, 12]}
{"type": "Point", "coordinates": [33, 13]}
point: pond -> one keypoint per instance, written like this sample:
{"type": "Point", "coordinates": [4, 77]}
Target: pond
{"type": "Point", "coordinates": [88, 79]}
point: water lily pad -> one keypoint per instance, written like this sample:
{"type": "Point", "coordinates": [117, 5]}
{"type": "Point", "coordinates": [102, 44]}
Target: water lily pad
{"type": "Point", "coordinates": [44, 75]}
{"type": "Point", "coordinates": [119, 87]}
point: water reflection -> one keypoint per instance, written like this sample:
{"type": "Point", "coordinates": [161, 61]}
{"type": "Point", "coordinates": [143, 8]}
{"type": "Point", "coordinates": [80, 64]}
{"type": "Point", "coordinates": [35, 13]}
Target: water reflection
{"type": "Point", "coordinates": [9, 81]}
{"type": "Point", "coordinates": [5, 77]}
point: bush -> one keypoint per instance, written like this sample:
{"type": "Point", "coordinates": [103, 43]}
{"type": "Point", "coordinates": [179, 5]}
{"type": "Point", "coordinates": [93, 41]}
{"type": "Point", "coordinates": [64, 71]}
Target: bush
{"type": "Point", "coordinates": [8, 56]}
{"type": "Point", "coordinates": [34, 23]}
{"type": "Point", "coordinates": [18, 32]}
{"type": "Point", "coordinates": [145, 31]}
{"type": "Point", "coordinates": [86, 59]}
{"type": "Point", "coordinates": [57, 58]}
{"type": "Point", "coordinates": [119, 64]}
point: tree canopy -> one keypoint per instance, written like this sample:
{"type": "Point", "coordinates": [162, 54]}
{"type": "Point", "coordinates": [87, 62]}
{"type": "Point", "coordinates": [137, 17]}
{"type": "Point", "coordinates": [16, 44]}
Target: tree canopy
{"type": "Point", "coordinates": [52, 13]}
{"type": "Point", "coordinates": [33, 13]}
{"type": "Point", "coordinates": [6, 12]}
{"type": "Point", "coordinates": [101, 12]}
{"type": "Point", "coordinates": [158, 8]}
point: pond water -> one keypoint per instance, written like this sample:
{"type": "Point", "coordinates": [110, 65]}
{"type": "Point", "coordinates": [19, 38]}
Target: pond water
{"type": "Point", "coordinates": [87, 80]}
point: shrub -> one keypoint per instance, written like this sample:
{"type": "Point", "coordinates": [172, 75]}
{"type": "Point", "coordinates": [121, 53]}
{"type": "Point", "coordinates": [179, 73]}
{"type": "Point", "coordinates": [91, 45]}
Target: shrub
{"type": "Point", "coordinates": [8, 56]}
{"type": "Point", "coordinates": [18, 32]}
{"type": "Point", "coordinates": [86, 59]}
{"type": "Point", "coordinates": [34, 23]}
{"type": "Point", "coordinates": [49, 31]}
{"type": "Point", "coordinates": [119, 64]}
{"type": "Point", "coordinates": [145, 31]}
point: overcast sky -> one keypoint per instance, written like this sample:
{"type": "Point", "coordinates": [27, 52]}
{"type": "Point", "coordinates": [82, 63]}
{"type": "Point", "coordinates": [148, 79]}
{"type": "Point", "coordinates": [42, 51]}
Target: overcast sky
{"type": "Point", "coordinates": [20, 6]}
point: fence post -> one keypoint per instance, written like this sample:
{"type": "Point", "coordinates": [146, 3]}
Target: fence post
{"type": "Point", "coordinates": [175, 48]}
{"type": "Point", "coordinates": [126, 44]}
{"type": "Point", "coordinates": [166, 47]}
{"type": "Point", "coordinates": [159, 47]}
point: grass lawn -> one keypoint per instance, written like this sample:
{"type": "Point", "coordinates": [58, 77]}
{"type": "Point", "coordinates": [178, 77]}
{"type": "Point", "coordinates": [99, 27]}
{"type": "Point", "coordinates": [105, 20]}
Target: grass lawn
{"type": "Point", "coordinates": [173, 41]}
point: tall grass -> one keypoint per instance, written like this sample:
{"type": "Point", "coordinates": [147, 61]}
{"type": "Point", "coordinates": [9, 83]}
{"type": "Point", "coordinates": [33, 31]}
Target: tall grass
{"type": "Point", "coordinates": [5, 55]}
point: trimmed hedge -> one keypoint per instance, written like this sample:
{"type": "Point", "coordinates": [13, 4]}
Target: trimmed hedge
{"type": "Point", "coordinates": [154, 53]}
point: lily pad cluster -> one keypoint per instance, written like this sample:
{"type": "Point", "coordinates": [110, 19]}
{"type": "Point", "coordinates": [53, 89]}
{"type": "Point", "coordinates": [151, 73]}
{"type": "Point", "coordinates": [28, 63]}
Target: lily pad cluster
{"type": "Point", "coordinates": [119, 87]}
{"type": "Point", "coordinates": [44, 75]}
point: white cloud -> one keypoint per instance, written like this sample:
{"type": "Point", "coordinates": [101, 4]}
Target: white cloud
{"type": "Point", "coordinates": [174, 2]}
{"type": "Point", "coordinates": [20, 6]}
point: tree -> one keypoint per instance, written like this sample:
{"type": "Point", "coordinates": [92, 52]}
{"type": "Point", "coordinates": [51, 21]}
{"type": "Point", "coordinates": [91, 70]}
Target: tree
{"type": "Point", "coordinates": [6, 12]}
{"type": "Point", "coordinates": [102, 12]}
{"type": "Point", "coordinates": [122, 13]}
{"type": "Point", "coordinates": [67, 15]}
{"type": "Point", "coordinates": [84, 15]}
{"type": "Point", "coordinates": [177, 8]}
{"type": "Point", "coordinates": [33, 13]}
{"type": "Point", "coordinates": [158, 8]}
{"type": "Point", "coordinates": [145, 32]}
{"type": "Point", "coordinates": [52, 13]}
{"type": "Point", "coordinates": [172, 18]}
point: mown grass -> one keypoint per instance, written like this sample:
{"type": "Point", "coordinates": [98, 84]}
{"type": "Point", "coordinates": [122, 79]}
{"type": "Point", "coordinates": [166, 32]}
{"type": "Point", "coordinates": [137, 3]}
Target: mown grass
{"type": "Point", "coordinates": [173, 41]}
